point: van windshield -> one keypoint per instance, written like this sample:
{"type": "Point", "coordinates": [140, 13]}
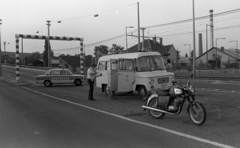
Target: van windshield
{"type": "Point", "coordinates": [150, 63]}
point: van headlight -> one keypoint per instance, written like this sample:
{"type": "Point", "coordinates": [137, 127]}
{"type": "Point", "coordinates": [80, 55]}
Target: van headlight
{"type": "Point", "coordinates": [151, 81]}
{"type": "Point", "coordinates": [173, 77]}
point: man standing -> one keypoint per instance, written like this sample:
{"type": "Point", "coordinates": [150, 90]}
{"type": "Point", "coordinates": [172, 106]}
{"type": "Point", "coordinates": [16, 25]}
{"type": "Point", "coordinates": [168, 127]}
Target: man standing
{"type": "Point", "coordinates": [91, 74]}
{"type": "Point", "coordinates": [169, 66]}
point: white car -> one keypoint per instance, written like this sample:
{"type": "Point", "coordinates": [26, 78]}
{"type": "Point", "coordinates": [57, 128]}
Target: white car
{"type": "Point", "coordinates": [59, 76]}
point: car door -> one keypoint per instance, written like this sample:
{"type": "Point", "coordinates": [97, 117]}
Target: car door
{"type": "Point", "coordinates": [55, 76]}
{"type": "Point", "coordinates": [125, 75]}
{"type": "Point", "coordinates": [65, 77]}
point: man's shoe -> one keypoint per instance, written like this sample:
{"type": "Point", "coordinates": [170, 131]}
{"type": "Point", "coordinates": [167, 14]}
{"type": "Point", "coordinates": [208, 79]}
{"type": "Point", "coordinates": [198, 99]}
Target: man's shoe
{"type": "Point", "coordinates": [92, 99]}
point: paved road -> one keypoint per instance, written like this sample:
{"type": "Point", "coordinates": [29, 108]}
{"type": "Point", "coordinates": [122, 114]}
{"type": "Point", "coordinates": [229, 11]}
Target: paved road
{"type": "Point", "coordinates": [222, 109]}
{"type": "Point", "coordinates": [32, 120]}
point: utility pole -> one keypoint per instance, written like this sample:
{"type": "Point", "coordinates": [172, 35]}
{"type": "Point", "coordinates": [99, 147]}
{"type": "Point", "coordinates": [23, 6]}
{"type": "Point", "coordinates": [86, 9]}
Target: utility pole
{"type": "Point", "coordinates": [0, 49]}
{"type": "Point", "coordinates": [48, 24]}
{"type": "Point", "coordinates": [143, 37]}
{"type": "Point", "coordinates": [138, 26]}
{"type": "Point", "coordinates": [194, 45]}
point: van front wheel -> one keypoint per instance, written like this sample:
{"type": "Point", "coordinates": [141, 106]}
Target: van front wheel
{"type": "Point", "coordinates": [142, 92]}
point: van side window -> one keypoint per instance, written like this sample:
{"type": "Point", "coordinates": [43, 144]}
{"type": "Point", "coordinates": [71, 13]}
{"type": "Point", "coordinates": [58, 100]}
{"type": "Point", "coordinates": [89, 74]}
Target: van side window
{"type": "Point", "coordinates": [101, 65]}
{"type": "Point", "coordinates": [114, 65]}
{"type": "Point", "coordinates": [126, 64]}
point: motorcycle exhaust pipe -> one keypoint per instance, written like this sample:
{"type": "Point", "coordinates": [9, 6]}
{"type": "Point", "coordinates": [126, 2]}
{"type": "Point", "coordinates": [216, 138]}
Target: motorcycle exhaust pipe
{"type": "Point", "coordinates": [158, 110]}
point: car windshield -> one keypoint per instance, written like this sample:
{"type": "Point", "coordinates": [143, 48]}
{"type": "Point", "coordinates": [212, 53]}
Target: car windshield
{"type": "Point", "coordinates": [150, 63]}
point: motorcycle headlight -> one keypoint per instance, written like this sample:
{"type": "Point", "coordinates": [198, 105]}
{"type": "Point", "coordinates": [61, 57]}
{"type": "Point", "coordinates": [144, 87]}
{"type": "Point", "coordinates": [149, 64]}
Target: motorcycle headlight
{"type": "Point", "coordinates": [151, 81]}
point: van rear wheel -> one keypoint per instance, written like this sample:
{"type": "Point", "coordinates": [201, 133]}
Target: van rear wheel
{"type": "Point", "coordinates": [142, 92]}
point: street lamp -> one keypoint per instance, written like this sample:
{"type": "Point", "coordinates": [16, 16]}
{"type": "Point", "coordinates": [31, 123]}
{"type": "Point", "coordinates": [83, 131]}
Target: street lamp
{"type": "Point", "coordinates": [48, 24]}
{"type": "Point", "coordinates": [236, 52]}
{"type": "Point", "coordinates": [217, 49]}
{"type": "Point", "coordinates": [126, 35]}
{"type": "Point", "coordinates": [189, 49]}
{"type": "Point", "coordinates": [0, 49]}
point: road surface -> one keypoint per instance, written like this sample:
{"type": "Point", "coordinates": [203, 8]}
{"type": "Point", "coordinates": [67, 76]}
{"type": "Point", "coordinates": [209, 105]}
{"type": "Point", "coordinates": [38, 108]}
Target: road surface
{"type": "Point", "coordinates": [29, 119]}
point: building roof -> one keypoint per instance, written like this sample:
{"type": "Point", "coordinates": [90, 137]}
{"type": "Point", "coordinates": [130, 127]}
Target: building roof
{"type": "Point", "coordinates": [228, 52]}
{"type": "Point", "coordinates": [73, 61]}
{"type": "Point", "coordinates": [151, 46]}
{"type": "Point", "coordinates": [168, 47]}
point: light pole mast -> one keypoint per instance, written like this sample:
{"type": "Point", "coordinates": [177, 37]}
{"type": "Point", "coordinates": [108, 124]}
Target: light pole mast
{"type": "Point", "coordinates": [0, 49]}
{"type": "Point", "coordinates": [127, 35]}
{"type": "Point", "coordinates": [138, 27]}
{"type": "Point", "coordinates": [143, 37]}
{"type": "Point", "coordinates": [194, 45]}
{"type": "Point", "coordinates": [48, 24]}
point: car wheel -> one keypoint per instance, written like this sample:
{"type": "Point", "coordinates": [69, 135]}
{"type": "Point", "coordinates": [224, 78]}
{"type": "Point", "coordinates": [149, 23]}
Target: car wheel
{"type": "Point", "coordinates": [78, 82]}
{"type": "Point", "coordinates": [47, 83]}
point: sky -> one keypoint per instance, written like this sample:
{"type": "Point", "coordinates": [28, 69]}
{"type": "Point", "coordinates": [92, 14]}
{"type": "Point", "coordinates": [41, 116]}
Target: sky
{"type": "Point", "coordinates": [77, 20]}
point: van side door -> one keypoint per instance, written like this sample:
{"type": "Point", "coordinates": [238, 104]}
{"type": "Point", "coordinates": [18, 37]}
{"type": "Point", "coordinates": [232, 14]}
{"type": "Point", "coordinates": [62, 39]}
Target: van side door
{"type": "Point", "coordinates": [112, 73]}
{"type": "Point", "coordinates": [126, 75]}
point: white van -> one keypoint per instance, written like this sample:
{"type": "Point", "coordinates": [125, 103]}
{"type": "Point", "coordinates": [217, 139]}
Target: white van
{"type": "Point", "coordinates": [130, 72]}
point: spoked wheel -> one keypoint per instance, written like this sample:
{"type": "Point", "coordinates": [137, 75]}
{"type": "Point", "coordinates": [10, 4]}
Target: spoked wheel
{"type": "Point", "coordinates": [197, 113]}
{"type": "Point", "coordinates": [155, 114]}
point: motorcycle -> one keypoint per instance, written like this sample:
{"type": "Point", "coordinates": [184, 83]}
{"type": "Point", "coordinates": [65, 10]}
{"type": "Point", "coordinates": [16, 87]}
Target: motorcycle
{"type": "Point", "coordinates": [172, 101]}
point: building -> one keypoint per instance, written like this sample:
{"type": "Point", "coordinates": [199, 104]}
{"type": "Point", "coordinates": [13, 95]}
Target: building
{"type": "Point", "coordinates": [151, 45]}
{"type": "Point", "coordinates": [173, 54]}
{"type": "Point", "coordinates": [184, 62]}
{"type": "Point", "coordinates": [219, 58]}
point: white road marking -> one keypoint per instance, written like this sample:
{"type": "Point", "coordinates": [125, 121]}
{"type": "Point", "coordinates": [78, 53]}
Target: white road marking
{"type": "Point", "coordinates": [214, 90]}
{"type": "Point", "coordinates": [139, 122]}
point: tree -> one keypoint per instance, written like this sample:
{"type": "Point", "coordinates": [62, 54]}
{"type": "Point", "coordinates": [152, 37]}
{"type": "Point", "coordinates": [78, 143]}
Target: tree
{"type": "Point", "coordinates": [88, 60]}
{"type": "Point", "coordinates": [33, 57]}
{"type": "Point", "coordinates": [186, 55]}
{"type": "Point", "coordinates": [116, 49]}
{"type": "Point", "coordinates": [101, 50]}
{"type": "Point", "coordinates": [45, 53]}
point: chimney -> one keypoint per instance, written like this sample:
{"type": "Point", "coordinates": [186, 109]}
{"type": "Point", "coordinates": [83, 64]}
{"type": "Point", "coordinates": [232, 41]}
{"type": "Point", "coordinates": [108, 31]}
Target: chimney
{"type": "Point", "coordinates": [161, 41]}
{"type": "Point", "coordinates": [200, 51]}
{"type": "Point", "coordinates": [211, 30]}
{"type": "Point", "coordinates": [154, 40]}
{"type": "Point", "coordinates": [222, 48]}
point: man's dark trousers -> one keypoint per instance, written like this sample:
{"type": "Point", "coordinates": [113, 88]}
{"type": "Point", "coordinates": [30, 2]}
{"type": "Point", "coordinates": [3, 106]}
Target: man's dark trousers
{"type": "Point", "coordinates": [91, 86]}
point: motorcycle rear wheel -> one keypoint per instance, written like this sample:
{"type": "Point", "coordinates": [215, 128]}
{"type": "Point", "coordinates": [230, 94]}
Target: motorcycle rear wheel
{"type": "Point", "coordinates": [197, 113]}
{"type": "Point", "coordinates": [155, 114]}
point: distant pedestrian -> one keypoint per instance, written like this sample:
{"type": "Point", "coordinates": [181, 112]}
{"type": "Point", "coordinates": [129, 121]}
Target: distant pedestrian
{"type": "Point", "coordinates": [169, 66]}
{"type": "Point", "coordinates": [91, 74]}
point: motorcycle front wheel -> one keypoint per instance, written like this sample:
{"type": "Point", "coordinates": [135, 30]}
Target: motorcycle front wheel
{"type": "Point", "coordinates": [197, 113]}
{"type": "Point", "coordinates": [155, 114]}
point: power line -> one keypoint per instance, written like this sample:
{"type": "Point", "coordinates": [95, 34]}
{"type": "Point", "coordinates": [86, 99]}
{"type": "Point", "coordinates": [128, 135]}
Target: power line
{"type": "Point", "coordinates": [172, 23]}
